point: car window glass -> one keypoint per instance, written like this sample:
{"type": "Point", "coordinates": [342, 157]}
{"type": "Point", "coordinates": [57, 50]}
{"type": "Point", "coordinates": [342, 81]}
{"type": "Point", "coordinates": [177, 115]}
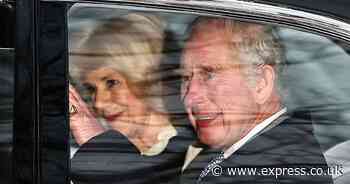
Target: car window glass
{"type": "Point", "coordinates": [131, 69]}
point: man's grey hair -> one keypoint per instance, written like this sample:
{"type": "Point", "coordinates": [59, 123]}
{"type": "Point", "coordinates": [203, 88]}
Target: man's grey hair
{"type": "Point", "coordinates": [257, 45]}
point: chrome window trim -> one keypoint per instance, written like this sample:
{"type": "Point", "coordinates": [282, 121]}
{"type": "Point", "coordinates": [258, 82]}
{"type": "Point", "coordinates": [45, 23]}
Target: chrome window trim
{"type": "Point", "coordinates": [243, 10]}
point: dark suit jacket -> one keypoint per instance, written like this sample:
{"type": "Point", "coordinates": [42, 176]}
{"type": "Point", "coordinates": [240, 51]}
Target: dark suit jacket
{"type": "Point", "coordinates": [289, 146]}
{"type": "Point", "coordinates": [110, 158]}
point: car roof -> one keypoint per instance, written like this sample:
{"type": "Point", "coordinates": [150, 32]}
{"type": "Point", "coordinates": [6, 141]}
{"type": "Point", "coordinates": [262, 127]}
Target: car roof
{"type": "Point", "coordinates": [338, 8]}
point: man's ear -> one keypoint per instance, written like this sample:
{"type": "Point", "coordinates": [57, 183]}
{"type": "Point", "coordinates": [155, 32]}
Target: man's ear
{"type": "Point", "coordinates": [265, 84]}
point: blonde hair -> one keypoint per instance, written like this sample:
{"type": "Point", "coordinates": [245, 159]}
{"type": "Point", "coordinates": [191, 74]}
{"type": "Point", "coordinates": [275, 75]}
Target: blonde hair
{"type": "Point", "coordinates": [131, 45]}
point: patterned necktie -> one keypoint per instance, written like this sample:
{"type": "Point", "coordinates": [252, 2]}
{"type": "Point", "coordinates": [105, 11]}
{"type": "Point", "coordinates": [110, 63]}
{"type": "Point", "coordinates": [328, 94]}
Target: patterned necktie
{"type": "Point", "coordinates": [214, 162]}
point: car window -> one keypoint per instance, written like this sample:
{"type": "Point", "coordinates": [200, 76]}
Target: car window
{"type": "Point", "coordinates": [149, 87]}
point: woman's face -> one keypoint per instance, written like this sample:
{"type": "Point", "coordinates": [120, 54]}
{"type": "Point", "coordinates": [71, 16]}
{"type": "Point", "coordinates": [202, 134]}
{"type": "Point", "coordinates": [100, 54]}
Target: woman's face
{"type": "Point", "coordinates": [113, 99]}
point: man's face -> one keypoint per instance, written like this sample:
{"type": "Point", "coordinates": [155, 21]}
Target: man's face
{"type": "Point", "coordinates": [218, 99]}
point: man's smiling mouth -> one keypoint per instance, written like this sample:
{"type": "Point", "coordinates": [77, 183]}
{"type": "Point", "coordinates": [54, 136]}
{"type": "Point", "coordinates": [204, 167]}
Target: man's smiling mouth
{"type": "Point", "coordinates": [204, 120]}
{"type": "Point", "coordinates": [203, 117]}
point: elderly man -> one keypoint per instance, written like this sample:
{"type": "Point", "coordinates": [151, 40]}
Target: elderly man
{"type": "Point", "coordinates": [231, 92]}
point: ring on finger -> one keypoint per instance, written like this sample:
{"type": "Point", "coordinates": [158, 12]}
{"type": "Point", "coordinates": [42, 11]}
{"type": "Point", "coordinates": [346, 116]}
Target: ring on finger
{"type": "Point", "coordinates": [73, 109]}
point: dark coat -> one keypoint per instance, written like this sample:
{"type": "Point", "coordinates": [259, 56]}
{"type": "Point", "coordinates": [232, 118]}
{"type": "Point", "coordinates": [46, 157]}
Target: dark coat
{"type": "Point", "coordinates": [110, 158]}
{"type": "Point", "coordinates": [290, 144]}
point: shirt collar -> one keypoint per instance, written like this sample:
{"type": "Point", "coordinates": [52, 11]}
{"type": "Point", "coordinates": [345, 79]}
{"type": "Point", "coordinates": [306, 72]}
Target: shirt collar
{"type": "Point", "coordinates": [163, 139]}
{"type": "Point", "coordinates": [252, 133]}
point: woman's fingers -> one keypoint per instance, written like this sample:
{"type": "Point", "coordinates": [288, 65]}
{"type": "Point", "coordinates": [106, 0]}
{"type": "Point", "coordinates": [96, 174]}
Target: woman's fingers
{"type": "Point", "coordinates": [73, 94]}
{"type": "Point", "coordinates": [73, 101]}
{"type": "Point", "coordinates": [83, 123]}
{"type": "Point", "coordinates": [80, 113]}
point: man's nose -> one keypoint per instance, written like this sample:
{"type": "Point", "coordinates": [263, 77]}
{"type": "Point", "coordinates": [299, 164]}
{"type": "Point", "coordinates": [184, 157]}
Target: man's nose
{"type": "Point", "coordinates": [194, 92]}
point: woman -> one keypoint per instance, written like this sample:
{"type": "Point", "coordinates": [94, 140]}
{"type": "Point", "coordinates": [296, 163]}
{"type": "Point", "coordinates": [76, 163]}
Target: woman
{"type": "Point", "coordinates": [118, 64]}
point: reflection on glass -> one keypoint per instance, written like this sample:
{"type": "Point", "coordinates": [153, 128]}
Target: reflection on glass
{"type": "Point", "coordinates": [171, 98]}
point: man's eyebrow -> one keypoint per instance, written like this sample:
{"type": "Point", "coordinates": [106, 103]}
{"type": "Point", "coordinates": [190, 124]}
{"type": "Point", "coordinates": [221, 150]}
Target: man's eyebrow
{"type": "Point", "coordinates": [224, 67]}
{"type": "Point", "coordinates": [215, 67]}
{"type": "Point", "coordinates": [205, 68]}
